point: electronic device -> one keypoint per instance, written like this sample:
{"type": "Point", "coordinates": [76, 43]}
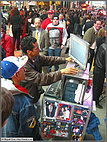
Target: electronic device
{"type": "Point", "coordinates": [79, 50]}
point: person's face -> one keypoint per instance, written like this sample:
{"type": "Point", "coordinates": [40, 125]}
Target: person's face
{"type": "Point", "coordinates": [55, 22]}
{"type": "Point", "coordinates": [21, 73]}
{"type": "Point", "coordinates": [97, 25]}
{"type": "Point", "coordinates": [35, 52]}
{"type": "Point", "coordinates": [37, 23]}
{"type": "Point", "coordinates": [30, 13]}
{"type": "Point", "coordinates": [66, 108]}
{"type": "Point", "coordinates": [44, 12]}
{"type": "Point", "coordinates": [60, 17]}
{"type": "Point", "coordinates": [50, 15]}
{"type": "Point", "coordinates": [68, 22]}
{"type": "Point", "coordinates": [62, 109]}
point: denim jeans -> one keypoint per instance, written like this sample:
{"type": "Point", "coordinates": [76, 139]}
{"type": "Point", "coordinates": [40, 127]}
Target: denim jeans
{"type": "Point", "coordinates": [54, 52]}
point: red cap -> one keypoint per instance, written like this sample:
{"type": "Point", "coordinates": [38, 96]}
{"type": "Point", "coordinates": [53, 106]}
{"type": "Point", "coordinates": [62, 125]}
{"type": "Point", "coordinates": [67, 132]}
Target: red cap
{"type": "Point", "coordinates": [50, 12]}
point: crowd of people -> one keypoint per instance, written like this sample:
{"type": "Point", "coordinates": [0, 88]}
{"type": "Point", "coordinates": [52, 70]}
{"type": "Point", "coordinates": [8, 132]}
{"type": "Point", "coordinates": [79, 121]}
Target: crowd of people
{"type": "Point", "coordinates": [42, 36]}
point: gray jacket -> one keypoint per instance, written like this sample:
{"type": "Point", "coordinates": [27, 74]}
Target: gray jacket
{"type": "Point", "coordinates": [44, 41]}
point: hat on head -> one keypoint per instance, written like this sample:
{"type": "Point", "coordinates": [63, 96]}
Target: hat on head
{"type": "Point", "coordinates": [10, 65]}
{"type": "Point", "coordinates": [50, 12]}
{"type": "Point", "coordinates": [55, 17]}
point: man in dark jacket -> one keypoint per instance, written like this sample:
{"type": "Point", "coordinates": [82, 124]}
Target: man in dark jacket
{"type": "Point", "coordinates": [99, 73]}
{"type": "Point", "coordinates": [34, 78]}
{"type": "Point", "coordinates": [44, 15]}
{"type": "Point", "coordinates": [16, 22]}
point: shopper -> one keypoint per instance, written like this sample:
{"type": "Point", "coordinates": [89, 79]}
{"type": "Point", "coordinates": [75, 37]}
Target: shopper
{"type": "Point", "coordinates": [57, 38]}
{"type": "Point", "coordinates": [48, 20]}
{"type": "Point", "coordinates": [42, 36]}
{"type": "Point", "coordinates": [16, 22]}
{"type": "Point", "coordinates": [99, 74]}
{"type": "Point", "coordinates": [90, 36]}
{"type": "Point", "coordinates": [6, 43]}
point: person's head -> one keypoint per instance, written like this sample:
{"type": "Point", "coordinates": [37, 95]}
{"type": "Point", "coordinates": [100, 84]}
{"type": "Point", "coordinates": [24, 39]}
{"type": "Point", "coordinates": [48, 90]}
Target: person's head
{"type": "Point", "coordinates": [61, 17]}
{"type": "Point", "coordinates": [12, 12]}
{"type": "Point", "coordinates": [68, 22]}
{"type": "Point", "coordinates": [51, 104]}
{"type": "Point", "coordinates": [66, 108]}
{"type": "Point", "coordinates": [44, 12]}
{"type": "Point", "coordinates": [16, 11]}
{"type": "Point", "coordinates": [30, 47]}
{"type": "Point", "coordinates": [97, 24]}
{"type": "Point", "coordinates": [50, 14]}
{"type": "Point", "coordinates": [7, 103]}
{"type": "Point", "coordinates": [30, 12]}
{"type": "Point", "coordinates": [13, 68]}
{"type": "Point", "coordinates": [37, 23]}
{"type": "Point", "coordinates": [55, 20]}
{"type": "Point", "coordinates": [62, 109]}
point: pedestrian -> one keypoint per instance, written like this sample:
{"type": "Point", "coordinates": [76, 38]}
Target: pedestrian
{"type": "Point", "coordinates": [23, 121]}
{"type": "Point", "coordinates": [42, 36]}
{"type": "Point", "coordinates": [69, 29]}
{"type": "Point", "coordinates": [90, 36]}
{"type": "Point", "coordinates": [16, 22]}
{"type": "Point", "coordinates": [44, 15]}
{"type": "Point", "coordinates": [88, 24]}
{"type": "Point", "coordinates": [28, 20]}
{"type": "Point", "coordinates": [61, 19]}
{"type": "Point", "coordinates": [76, 20]}
{"type": "Point", "coordinates": [99, 73]}
{"type": "Point", "coordinates": [6, 43]}
{"type": "Point", "coordinates": [47, 20]}
{"type": "Point", "coordinates": [57, 38]}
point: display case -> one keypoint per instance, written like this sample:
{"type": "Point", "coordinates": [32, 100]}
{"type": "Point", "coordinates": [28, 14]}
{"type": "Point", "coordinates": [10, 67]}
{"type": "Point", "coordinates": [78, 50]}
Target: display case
{"type": "Point", "coordinates": [63, 119]}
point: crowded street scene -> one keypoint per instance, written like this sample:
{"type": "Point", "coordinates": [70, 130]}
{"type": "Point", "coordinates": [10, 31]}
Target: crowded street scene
{"type": "Point", "coordinates": [53, 70]}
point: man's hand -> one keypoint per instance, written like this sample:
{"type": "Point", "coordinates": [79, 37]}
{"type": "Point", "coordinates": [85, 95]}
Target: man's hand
{"type": "Point", "coordinates": [69, 59]}
{"type": "Point", "coordinates": [69, 70]}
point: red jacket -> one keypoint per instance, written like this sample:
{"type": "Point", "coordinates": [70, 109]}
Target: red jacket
{"type": "Point", "coordinates": [7, 44]}
{"type": "Point", "coordinates": [45, 23]}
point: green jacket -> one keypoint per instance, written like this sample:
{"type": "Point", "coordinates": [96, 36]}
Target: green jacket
{"type": "Point", "coordinates": [90, 36]}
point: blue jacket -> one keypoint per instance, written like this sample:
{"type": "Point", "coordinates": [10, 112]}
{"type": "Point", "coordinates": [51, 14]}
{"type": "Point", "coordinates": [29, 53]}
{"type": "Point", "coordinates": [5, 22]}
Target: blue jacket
{"type": "Point", "coordinates": [92, 127]}
{"type": "Point", "coordinates": [23, 121]}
